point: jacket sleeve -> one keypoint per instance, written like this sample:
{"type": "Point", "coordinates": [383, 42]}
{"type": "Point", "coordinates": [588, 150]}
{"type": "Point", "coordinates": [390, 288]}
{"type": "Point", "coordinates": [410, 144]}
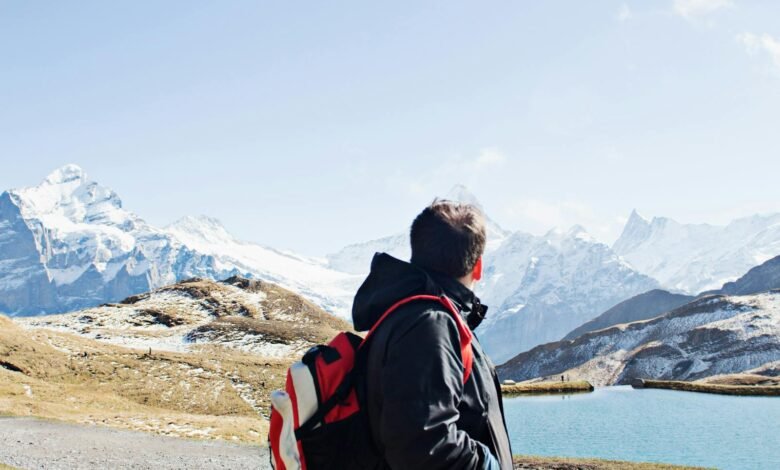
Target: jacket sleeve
{"type": "Point", "coordinates": [422, 384]}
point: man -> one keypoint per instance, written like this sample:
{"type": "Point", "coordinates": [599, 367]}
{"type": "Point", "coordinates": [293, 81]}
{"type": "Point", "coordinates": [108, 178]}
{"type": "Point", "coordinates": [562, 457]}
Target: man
{"type": "Point", "coordinates": [421, 414]}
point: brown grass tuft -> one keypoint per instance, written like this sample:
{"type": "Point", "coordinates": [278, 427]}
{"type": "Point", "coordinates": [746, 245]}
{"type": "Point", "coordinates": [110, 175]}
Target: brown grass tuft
{"type": "Point", "coordinates": [541, 388]}
{"type": "Point", "coordinates": [704, 387]}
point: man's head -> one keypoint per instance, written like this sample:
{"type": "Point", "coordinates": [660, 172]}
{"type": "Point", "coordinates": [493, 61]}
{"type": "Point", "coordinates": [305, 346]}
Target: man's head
{"type": "Point", "coordinates": [449, 237]}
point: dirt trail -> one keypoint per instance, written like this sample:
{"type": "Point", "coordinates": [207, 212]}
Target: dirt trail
{"type": "Point", "coordinates": [28, 443]}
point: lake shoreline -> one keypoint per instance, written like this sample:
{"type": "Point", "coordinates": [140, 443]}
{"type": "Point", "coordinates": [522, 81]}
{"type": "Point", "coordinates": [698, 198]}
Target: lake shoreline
{"type": "Point", "coordinates": [546, 388]}
{"type": "Point", "coordinates": [569, 463]}
{"type": "Point", "coordinates": [703, 387]}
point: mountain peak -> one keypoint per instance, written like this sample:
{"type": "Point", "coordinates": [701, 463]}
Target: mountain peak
{"type": "Point", "coordinates": [68, 192]}
{"type": "Point", "coordinates": [66, 174]}
{"type": "Point", "coordinates": [636, 218]}
{"type": "Point", "coordinates": [460, 193]}
{"type": "Point", "coordinates": [578, 231]}
{"type": "Point", "coordinates": [636, 231]}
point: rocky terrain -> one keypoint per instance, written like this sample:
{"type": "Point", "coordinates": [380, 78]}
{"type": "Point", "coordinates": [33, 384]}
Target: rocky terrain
{"type": "Point", "coordinates": [248, 315]}
{"type": "Point", "coordinates": [640, 307]}
{"type": "Point", "coordinates": [710, 336]}
{"type": "Point", "coordinates": [194, 359]}
{"type": "Point", "coordinates": [650, 304]}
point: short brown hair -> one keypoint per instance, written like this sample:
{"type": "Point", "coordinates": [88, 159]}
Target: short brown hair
{"type": "Point", "coordinates": [448, 237]}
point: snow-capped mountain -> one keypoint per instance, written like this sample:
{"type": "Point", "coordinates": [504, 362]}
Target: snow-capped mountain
{"type": "Point", "coordinates": [68, 243]}
{"type": "Point", "coordinates": [709, 336]}
{"type": "Point", "coordinates": [692, 258]}
{"type": "Point", "coordinates": [761, 278]}
{"type": "Point", "coordinates": [356, 259]}
{"type": "Point", "coordinates": [540, 288]}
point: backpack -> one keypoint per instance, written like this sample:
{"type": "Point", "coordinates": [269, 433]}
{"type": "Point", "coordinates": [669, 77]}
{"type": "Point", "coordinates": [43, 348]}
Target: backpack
{"type": "Point", "coordinates": [319, 421]}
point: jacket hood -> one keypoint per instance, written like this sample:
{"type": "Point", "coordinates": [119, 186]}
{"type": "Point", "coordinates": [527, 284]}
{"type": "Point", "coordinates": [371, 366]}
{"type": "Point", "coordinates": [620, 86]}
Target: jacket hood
{"type": "Point", "coordinates": [391, 280]}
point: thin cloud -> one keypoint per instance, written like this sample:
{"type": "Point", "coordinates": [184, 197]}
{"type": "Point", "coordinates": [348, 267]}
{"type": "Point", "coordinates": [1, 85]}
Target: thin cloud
{"type": "Point", "coordinates": [486, 158]}
{"type": "Point", "coordinates": [761, 44]}
{"type": "Point", "coordinates": [539, 216]}
{"type": "Point", "coordinates": [692, 9]}
{"type": "Point", "coordinates": [455, 170]}
{"type": "Point", "coordinates": [624, 13]}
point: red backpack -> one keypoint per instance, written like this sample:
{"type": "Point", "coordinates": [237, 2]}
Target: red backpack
{"type": "Point", "coordinates": [318, 421]}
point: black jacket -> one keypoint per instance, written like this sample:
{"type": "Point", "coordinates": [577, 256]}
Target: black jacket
{"type": "Point", "coordinates": [421, 414]}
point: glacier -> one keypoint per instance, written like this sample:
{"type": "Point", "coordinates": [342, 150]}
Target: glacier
{"type": "Point", "coordinates": [68, 244]}
{"type": "Point", "coordinates": [691, 258]}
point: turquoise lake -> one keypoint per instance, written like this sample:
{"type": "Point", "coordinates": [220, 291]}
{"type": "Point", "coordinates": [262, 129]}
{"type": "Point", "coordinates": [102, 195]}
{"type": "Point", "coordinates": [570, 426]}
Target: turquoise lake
{"type": "Point", "coordinates": [651, 426]}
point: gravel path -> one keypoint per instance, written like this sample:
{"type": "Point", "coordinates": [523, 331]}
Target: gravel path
{"type": "Point", "coordinates": [28, 443]}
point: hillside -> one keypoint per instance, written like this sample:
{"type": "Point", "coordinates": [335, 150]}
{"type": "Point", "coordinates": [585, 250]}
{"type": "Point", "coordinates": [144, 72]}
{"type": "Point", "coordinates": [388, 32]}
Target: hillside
{"type": "Point", "coordinates": [217, 351]}
{"type": "Point", "coordinates": [709, 336]}
{"type": "Point", "coordinates": [761, 278]}
{"type": "Point", "coordinates": [641, 307]}
{"type": "Point", "coordinates": [248, 315]}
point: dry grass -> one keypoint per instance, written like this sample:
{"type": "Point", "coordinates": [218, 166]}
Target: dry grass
{"type": "Point", "coordinates": [541, 388]}
{"type": "Point", "coordinates": [742, 379]}
{"type": "Point", "coordinates": [6, 467]}
{"type": "Point", "coordinates": [218, 387]}
{"type": "Point", "coordinates": [559, 463]}
{"type": "Point", "coordinates": [212, 392]}
{"type": "Point", "coordinates": [704, 387]}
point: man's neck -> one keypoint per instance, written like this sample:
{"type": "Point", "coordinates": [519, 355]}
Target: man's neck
{"type": "Point", "coordinates": [467, 281]}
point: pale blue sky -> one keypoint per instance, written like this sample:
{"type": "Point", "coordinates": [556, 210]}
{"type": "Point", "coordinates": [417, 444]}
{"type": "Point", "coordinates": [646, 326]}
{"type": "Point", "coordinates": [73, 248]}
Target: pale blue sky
{"type": "Point", "coordinates": [310, 125]}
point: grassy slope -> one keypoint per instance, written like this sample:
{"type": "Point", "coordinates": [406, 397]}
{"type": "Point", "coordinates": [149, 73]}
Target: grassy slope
{"type": "Point", "coordinates": [210, 393]}
{"type": "Point", "coordinates": [747, 379]}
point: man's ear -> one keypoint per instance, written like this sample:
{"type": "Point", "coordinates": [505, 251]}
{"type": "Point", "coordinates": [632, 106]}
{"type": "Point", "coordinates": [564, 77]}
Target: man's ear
{"type": "Point", "coordinates": [476, 273]}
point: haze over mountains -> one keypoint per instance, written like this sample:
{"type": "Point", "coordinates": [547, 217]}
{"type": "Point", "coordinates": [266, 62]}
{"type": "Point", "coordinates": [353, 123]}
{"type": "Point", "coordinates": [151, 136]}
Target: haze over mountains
{"type": "Point", "coordinates": [691, 258]}
{"type": "Point", "coordinates": [68, 244]}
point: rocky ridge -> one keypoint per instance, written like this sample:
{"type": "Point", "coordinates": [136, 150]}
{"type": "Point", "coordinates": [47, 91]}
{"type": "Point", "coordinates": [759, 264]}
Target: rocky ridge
{"type": "Point", "coordinates": [710, 336]}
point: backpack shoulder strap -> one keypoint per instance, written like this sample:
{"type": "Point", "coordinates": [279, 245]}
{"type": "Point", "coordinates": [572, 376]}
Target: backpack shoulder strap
{"type": "Point", "coordinates": [466, 353]}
